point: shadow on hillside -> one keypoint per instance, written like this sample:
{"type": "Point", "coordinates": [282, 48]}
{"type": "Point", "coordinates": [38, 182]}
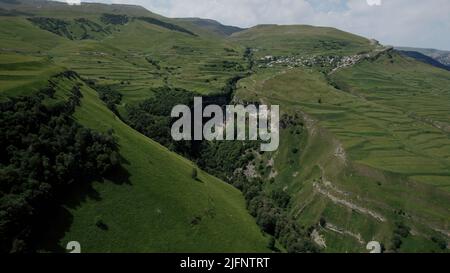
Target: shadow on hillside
{"type": "Point", "coordinates": [120, 176]}
{"type": "Point", "coordinates": [199, 180]}
{"type": "Point", "coordinates": [52, 228]}
{"type": "Point", "coordinates": [54, 225]}
{"type": "Point", "coordinates": [84, 191]}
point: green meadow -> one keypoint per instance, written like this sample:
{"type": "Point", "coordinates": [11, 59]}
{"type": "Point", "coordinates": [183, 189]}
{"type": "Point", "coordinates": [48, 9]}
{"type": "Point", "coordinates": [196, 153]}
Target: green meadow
{"type": "Point", "coordinates": [156, 206]}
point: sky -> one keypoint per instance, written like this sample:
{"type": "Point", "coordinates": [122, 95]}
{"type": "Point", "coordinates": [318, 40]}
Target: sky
{"type": "Point", "coordinates": [416, 23]}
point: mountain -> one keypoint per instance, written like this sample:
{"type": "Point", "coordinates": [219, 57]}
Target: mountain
{"type": "Point", "coordinates": [212, 26]}
{"type": "Point", "coordinates": [364, 151]}
{"type": "Point", "coordinates": [441, 56]}
{"type": "Point", "coordinates": [348, 156]}
{"type": "Point", "coordinates": [154, 204]}
{"type": "Point", "coordinates": [301, 39]}
{"type": "Point", "coordinates": [425, 59]}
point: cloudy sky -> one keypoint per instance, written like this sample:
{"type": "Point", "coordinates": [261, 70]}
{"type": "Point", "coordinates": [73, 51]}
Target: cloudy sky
{"type": "Point", "coordinates": [416, 23]}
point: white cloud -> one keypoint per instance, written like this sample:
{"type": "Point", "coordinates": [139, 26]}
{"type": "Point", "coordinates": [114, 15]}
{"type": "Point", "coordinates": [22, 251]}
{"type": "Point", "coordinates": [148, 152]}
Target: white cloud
{"type": "Point", "coordinates": [374, 2]}
{"type": "Point", "coordinates": [73, 2]}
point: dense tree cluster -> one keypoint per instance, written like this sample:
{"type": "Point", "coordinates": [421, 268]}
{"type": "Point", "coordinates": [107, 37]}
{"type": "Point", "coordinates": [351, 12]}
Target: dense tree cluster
{"type": "Point", "coordinates": [78, 29]}
{"type": "Point", "coordinates": [401, 231]}
{"type": "Point", "coordinates": [114, 19]}
{"type": "Point", "coordinates": [440, 242]}
{"type": "Point", "coordinates": [223, 159]}
{"type": "Point", "coordinates": [152, 117]}
{"type": "Point", "coordinates": [166, 25]}
{"type": "Point", "coordinates": [88, 26]}
{"type": "Point", "coordinates": [271, 213]}
{"type": "Point", "coordinates": [227, 66]}
{"type": "Point", "coordinates": [43, 153]}
{"type": "Point", "coordinates": [56, 26]}
{"type": "Point", "coordinates": [270, 207]}
{"type": "Point", "coordinates": [108, 94]}
{"type": "Point", "coordinates": [248, 56]}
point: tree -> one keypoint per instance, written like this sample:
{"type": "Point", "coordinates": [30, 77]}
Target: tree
{"type": "Point", "coordinates": [43, 153]}
{"type": "Point", "coordinates": [281, 198]}
{"type": "Point", "coordinates": [322, 222]}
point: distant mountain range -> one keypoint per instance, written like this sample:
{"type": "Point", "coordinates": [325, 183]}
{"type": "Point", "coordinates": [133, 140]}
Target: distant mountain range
{"type": "Point", "coordinates": [435, 57]}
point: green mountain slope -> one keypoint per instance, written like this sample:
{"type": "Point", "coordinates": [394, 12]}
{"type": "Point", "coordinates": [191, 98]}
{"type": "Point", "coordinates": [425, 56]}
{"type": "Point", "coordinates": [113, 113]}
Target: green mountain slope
{"type": "Point", "coordinates": [158, 207]}
{"type": "Point", "coordinates": [364, 140]}
{"type": "Point", "coordinates": [375, 155]}
{"type": "Point", "coordinates": [300, 40]}
{"type": "Point", "coordinates": [424, 58]}
{"type": "Point", "coordinates": [153, 204]}
{"type": "Point", "coordinates": [213, 26]}
{"type": "Point", "coordinates": [441, 56]}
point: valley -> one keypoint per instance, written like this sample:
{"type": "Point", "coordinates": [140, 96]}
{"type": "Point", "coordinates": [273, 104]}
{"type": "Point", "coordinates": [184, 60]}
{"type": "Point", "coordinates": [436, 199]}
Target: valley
{"type": "Point", "coordinates": [364, 142]}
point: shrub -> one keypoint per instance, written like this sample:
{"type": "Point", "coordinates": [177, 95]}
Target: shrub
{"type": "Point", "coordinates": [440, 242]}
{"type": "Point", "coordinates": [100, 224]}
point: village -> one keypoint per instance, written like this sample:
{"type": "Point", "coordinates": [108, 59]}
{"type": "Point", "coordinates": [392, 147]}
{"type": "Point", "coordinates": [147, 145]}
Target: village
{"type": "Point", "coordinates": [329, 63]}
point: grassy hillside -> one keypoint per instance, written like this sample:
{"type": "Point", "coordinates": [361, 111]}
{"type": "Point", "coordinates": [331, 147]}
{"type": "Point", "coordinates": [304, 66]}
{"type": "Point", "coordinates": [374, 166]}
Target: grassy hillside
{"type": "Point", "coordinates": [364, 152]}
{"type": "Point", "coordinates": [213, 26]}
{"type": "Point", "coordinates": [300, 40]}
{"type": "Point", "coordinates": [374, 155]}
{"type": "Point", "coordinates": [131, 56]}
{"type": "Point", "coordinates": [154, 205]}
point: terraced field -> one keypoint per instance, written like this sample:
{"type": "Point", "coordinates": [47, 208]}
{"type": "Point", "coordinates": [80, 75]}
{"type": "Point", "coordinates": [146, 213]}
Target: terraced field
{"type": "Point", "coordinates": [133, 57]}
{"type": "Point", "coordinates": [153, 204]}
{"type": "Point", "coordinates": [366, 157]}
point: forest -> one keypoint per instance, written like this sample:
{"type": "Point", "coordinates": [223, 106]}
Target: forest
{"type": "Point", "coordinates": [44, 154]}
{"type": "Point", "coordinates": [222, 159]}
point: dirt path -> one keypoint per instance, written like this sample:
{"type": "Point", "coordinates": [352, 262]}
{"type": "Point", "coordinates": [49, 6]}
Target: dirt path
{"type": "Point", "coordinates": [341, 231]}
{"type": "Point", "coordinates": [337, 200]}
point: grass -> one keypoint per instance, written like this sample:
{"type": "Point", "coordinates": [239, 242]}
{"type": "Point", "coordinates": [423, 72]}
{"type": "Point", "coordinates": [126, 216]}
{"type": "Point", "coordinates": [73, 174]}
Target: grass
{"type": "Point", "coordinates": [390, 163]}
{"type": "Point", "coordinates": [156, 206]}
{"type": "Point", "coordinates": [301, 40]}
{"type": "Point", "coordinates": [381, 139]}
{"type": "Point", "coordinates": [153, 204]}
{"type": "Point", "coordinates": [21, 74]}
{"type": "Point", "coordinates": [120, 57]}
